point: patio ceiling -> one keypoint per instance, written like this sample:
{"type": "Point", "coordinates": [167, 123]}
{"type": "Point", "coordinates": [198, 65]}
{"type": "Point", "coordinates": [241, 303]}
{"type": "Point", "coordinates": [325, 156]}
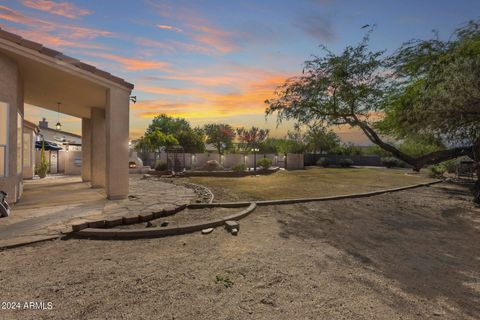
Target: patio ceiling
{"type": "Point", "coordinates": [50, 77]}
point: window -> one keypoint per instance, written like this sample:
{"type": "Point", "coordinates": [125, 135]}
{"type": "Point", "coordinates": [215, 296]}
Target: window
{"type": "Point", "coordinates": [19, 143]}
{"type": "Point", "coordinates": [3, 138]}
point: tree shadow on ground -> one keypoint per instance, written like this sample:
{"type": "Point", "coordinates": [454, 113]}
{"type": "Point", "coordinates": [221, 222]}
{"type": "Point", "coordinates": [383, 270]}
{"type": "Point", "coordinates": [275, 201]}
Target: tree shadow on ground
{"type": "Point", "coordinates": [427, 240]}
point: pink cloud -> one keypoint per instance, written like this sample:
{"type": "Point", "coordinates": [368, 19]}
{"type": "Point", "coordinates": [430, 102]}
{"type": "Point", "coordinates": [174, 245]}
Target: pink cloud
{"type": "Point", "coordinates": [51, 33]}
{"type": "Point", "coordinates": [131, 63]}
{"type": "Point", "coordinates": [64, 9]}
{"type": "Point", "coordinates": [167, 27]}
{"type": "Point", "coordinates": [218, 39]}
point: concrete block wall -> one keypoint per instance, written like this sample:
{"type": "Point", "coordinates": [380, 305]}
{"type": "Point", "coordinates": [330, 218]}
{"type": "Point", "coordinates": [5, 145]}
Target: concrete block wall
{"type": "Point", "coordinates": [294, 161]}
{"type": "Point", "coordinates": [198, 160]}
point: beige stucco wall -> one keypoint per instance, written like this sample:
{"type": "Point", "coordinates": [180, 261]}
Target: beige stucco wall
{"type": "Point", "coordinates": [294, 161]}
{"type": "Point", "coordinates": [11, 92]}
{"type": "Point", "coordinates": [86, 149]}
{"type": "Point", "coordinates": [72, 162]}
{"type": "Point", "coordinates": [98, 153]}
{"type": "Point", "coordinates": [117, 130]}
{"type": "Point", "coordinates": [28, 166]}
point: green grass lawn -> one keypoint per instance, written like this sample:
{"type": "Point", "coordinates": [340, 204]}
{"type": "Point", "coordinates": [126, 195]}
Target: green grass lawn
{"type": "Point", "coordinates": [315, 182]}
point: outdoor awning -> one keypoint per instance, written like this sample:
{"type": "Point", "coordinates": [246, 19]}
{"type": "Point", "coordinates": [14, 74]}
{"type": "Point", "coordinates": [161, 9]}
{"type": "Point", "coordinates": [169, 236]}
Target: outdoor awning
{"type": "Point", "coordinates": [49, 146]}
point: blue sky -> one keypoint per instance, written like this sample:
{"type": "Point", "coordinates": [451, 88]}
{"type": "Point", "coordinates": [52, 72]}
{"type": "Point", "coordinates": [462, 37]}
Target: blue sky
{"type": "Point", "coordinates": [217, 61]}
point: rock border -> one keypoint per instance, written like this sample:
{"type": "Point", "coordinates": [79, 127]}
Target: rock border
{"type": "Point", "coordinates": [207, 190]}
{"type": "Point", "coordinates": [99, 229]}
{"type": "Point", "coordinates": [99, 232]}
{"type": "Point", "coordinates": [302, 200]}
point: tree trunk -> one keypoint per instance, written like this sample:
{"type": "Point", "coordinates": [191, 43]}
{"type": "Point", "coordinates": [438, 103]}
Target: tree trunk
{"type": "Point", "coordinates": [476, 157]}
{"type": "Point", "coordinates": [428, 159]}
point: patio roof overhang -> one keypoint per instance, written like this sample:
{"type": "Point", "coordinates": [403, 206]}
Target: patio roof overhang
{"type": "Point", "coordinates": [50, 77]}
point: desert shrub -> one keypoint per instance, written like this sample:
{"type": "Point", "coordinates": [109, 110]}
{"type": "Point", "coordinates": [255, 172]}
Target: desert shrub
{"type": "Point", "coordinates": [437, 171]}
{"type": "Point", "coordinates": [239, 167]}
{"type": "Point", "coordinates": [390, 162]}
{"type": "Point", "coordinates": [450, 165]}
{"type": "Point", "coordinates": [324, 162]}
{"type": "Point", "coordinates": [345, 163]}
{"type": "Point", "coordinates": [161, 165]}
{"type": "Point", "coordinates": [212, 165]}
{"type": "Point", "coordinates": [264, 163]}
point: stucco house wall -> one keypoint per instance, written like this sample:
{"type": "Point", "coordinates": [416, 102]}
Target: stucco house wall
{"type": "Point", "coordinates": [11, 97]}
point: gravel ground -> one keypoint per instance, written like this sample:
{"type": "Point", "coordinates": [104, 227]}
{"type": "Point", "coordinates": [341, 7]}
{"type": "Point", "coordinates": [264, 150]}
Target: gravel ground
{"type": "Point", "coordinates": [408, 255]}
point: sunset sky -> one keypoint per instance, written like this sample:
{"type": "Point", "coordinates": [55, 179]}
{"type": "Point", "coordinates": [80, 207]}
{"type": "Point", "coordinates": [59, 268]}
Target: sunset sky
{"type": "Point", "coordinates": [217, 61]}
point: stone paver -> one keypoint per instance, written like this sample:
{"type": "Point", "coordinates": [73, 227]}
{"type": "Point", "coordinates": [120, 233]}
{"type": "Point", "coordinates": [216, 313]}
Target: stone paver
{"type": "Point", "coordinates": [50, 206]}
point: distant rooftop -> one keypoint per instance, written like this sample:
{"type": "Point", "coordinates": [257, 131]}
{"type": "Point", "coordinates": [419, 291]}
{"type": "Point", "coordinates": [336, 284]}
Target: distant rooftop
{"type": "Point", "coordinates": [43, 125]}
{"type": "Point", "coordinates": [60, 56]}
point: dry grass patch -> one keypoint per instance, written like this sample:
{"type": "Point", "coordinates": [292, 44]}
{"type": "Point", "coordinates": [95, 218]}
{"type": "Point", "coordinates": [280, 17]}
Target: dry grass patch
{"type": "Point", "coordinates": [317, 182]}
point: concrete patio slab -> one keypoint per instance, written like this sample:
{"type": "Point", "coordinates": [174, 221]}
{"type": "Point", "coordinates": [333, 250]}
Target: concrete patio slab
{"type": "Point", "coordinates": [50, 206]}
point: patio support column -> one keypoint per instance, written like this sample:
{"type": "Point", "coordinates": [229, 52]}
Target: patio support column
{"type": "Point", "coordinates": [117, 128]}
{"type": "Point", "coordinates": [98, 148]}
{"type": "Point", "coordinates": [86, 149]}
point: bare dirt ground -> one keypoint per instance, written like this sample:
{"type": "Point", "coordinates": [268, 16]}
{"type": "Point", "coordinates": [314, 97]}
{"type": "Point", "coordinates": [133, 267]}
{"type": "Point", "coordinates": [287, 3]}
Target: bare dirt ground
{"type": "Point", "coordinates": [407, 255]}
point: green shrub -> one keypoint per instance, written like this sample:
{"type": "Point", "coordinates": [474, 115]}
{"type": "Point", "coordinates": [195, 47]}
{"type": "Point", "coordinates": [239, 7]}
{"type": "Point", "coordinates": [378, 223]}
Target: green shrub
{"type": "Point", "coordinates": [450, 165]}
{"type": "Point", "coordinates": [161, 165]}
{"type": "Point", "coordinates": [437, 171]}
{"type": "Point", "coordinates": [324, 162]}
{"type": "Point", "coordinates": [390, 162]}
{"type": "Point", "coordinates": [239, 167]}
{"type": "Point", "coordinates": [345, 163]}
{"type": "Point", "coordinates": [42, 168]}
{"type": "Point", "coordinates": [264, 163]}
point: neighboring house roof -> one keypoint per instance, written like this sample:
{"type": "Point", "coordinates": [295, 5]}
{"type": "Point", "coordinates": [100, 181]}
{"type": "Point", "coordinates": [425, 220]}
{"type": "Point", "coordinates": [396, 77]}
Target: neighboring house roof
{"type": "Point", "coordinates": [60, 132]}
{"type": "Point", "coordinates": [30, 125]}
{"type": "Point", "coordinates": [60, 56]}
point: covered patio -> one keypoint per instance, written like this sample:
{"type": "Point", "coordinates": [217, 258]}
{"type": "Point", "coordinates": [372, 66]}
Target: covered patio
{"type": "Point", "coordinates": [50, 206]}
{"type": "Point", "coordinates": [33, 74]}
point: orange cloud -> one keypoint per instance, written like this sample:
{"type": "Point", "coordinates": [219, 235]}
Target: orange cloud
{"type": "Point", "coordinates": [64, 9]}
{"type": "Point", "coordinates": [130, 63]}
{"type": "Point", "coordinates": [246, 99]}
{"type": "Point", "coordinates": [51, 40]}
{"type": "Point", "coordinates": [163, 26]}
{"type": "Point", "coordinates": [52, 34]}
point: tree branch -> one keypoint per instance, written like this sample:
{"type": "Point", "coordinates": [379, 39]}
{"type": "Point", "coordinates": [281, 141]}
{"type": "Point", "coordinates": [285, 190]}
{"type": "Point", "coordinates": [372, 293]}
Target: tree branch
{"type": "Point", "coordinates": [417, 163]}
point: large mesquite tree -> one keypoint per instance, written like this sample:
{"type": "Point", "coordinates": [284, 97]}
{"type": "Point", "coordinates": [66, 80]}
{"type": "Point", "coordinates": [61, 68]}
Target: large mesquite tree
{"type": "Point", "coordinates": [355, 88]}
{"type": "Point", "coordinates": [437, 91]}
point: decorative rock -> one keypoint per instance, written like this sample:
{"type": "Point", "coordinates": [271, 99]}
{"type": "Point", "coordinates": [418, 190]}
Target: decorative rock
{"type": "Point", "coordinates": [207, 231]}
{"type": "Point", "coordinates": [148, 224]}
{"type": "Point", "coordinates": [230, 225]}
{"type": "Point", "coordinates": [234, 231]}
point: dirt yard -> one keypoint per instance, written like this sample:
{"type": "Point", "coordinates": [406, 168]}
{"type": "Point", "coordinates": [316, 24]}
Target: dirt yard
{"type": "Point", "coordinates": [313, 182]}
{"type": "Point", "coordinates": [408, 255]}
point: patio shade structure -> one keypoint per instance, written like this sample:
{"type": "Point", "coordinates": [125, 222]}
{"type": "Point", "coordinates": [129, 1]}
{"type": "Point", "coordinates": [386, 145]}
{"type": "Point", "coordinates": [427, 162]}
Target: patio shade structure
{"type": "Point", "coordinates": [31, 73]}
{"type": "Point", "coordinates": [48, 146]}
